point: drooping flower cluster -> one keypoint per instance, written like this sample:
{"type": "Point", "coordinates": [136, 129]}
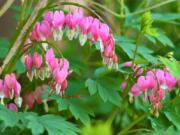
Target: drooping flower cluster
{"type": "Point", "coordinates": [54, 24]}
{"type": "Point", "coordinates": [137, 72]}
{"type": "Point", "coordinates": [57, 68]}
{"type": "Point", "coordinates": [75, 25]}
{"type": "Point", "coordinates": [30, 98]}
{"type": "Point", "coordinates": [10, 88]}
{"type": "Point", "coordinates": [157, 82]}
{"type": "Point", "coordinates": [35, 61]}
{"type": "Point", "coordinates": [137, 69]}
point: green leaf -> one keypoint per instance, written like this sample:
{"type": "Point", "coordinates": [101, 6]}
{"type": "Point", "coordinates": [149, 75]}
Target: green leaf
{"type": "Point", "coordinates": [174, 118]}
{"type": "Point", "coordinates": [123, 39]}
{"type": "Point", "coordinates": [103, 92]}
{"type": "Point", "coordinates": [20, 68]}
{"type": "Point", "coordinates": [8, 117]}
{"type": "Point", "coordinates": [160, 123]}
{"type": "Point", "coordinates": [129, 48]}
{"type": "Point", "coordinates": [164, 40]}
{"type": "Point", "coordinates": [76, 107]}
{"type": "Point", "coordinates": [54, 125]}
{"type": "Point", "coordinates": [150, 38]}
{"type": "Point", "coordinates": [34, 125]}
{"type": "Point", "coordinates": [166, 17]}
{"type": "Point", "coordinates": [4, 47]}
{"type": "Point", "coordinates": [146, 24]}
{"type": "Point", "coordinates": [106, 93]}
{"type": "Point", "coordinates": [146, 53]}
{"type": "Point", "coordinates": [3, 52]}
{"type": "Point", "coordinates": [92, 87]}
{"type": "Point", "coordinates": [80, 114]}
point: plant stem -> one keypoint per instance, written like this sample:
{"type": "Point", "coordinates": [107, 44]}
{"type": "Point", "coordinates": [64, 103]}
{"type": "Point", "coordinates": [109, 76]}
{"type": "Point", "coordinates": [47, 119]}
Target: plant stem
{"type": "Point", "coordinates": [6, 6]}
{"type": "Point", "coordinates": [23, 12]}
{"type": "Point", "coordinates": [121, 7]}
{"type": "Point", "coordinates": [136, 48]}
{"type": "Point", "coordinates": [24, 33]}
{"type": "Point", "coordinates": [78, 5]}
{"type": "Point", "coordinates": [54, 47]}
{"type": "Point", "coordinates": [105, 8]}
{"type": "Point", "coordinates": [138, 130]}
{"type": "Point", "coordinates": [134, 13]}
{"type": "Point", "coordinates": [125, 130]}
{"type": "Point", "coordinates": [111, 117]}
{"type": "Point", "coordinates": [121, 3]}
{"type": "Point", "coordinates": [29, 7]}
{"type": "Point", "coordinates": [150, 8]}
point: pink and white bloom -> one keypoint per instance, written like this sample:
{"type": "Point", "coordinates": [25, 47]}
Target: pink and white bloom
{"type": "Point", "coordinates": [60, 75]}
{"type": "Point", "coordinates": [104, 32]}
{"type": "Point", "coordinates": [44, 30]}
{"type": "Point", "coordinates": [58, 20]}
{"type": "Point", "coordinates": [50, 56]}
{"type": "Point", "coordinates": [28, 100]}
{"type": "Point", "coordinates": [124, 85]}
{"type": "Point", "coordinates": [77, 16]}
{"type": "Point", "coordinates": [28, 62]}
{"type": "Point", "coordinates": [135, 90]}
{"type": "Point", "coordinates": [171, 81]}
{"type": "Point", "coordinates": [49, 16]}
{"type": "Point", "coordinates": [161, 77]}
{"type": "Point", "coordinates": [2, 94]}
{"type": "Point", "coordinates": [29, 65]}
{"type": "Point", "coordinates": [12, 107]}
{"type": "Point", "coordinates": [85, 24]}
{"type": "Point", "coordinates": [12, 86]}
{"type": "Point", "coordinates": [95, 29]}
{"type": "Point", "coordinates": [37, 60]}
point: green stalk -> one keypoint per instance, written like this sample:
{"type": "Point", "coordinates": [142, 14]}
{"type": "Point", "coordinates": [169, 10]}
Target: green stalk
{"type": "Point", "coordinates": [23, 12]}
{"type": "Point", "coordinates": [6, 6]}
{"type": "Point", "coordinates": [121, 2]}
{"type": "Point", "coordinates": [111, 117]}
{"type": "Point", "coordinates": [134, 13]}
{"type": "Point", "coordinates": [54, 47]}
{"type": "Point", "coordinates": [104, 8]}
{"type": "Point", "coordinates": [139, 130]}
{"type": "Point", "coordinates": [136, 48]}
{"type": "Point", "coordinates": [78, 5]}
{"type": "Point", "coordinates": [152, 7]}
{"type": "Point", "coordinates": [16, 49]}
{"type": "Point", "coordinates": [121, 7]}
{"type": "Point", "coordinates": [140, 118]}
{"type": "Point", "coordinates": [29, 7]}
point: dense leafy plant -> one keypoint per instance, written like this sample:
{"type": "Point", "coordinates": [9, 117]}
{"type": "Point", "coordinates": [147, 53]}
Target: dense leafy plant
{"type": "Point", "coordinates": [122, 79]}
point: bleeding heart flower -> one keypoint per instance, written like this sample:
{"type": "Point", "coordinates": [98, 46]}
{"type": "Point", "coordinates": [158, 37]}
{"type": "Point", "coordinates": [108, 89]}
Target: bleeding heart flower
{"type": "Point", "coordinates": [95, 28]}
{"type": "Point", "coordinates": [135, 90]}
{"type": "Point", "coordinates": [37, 60]}
{"type": "Point", "coordinates": [28, 100]}
{"type": "Point", "coordinates": [2, 94]}
{"type": "Point", "coordinates": [104, 31]}
{"type": "Point", "coordinates": [12, 86]}
{"type": "Point", "coordinates": [50, 55]}
{"type": "Point", "coordinates": [60, 75]}
{"type": "Point", "coordinates": [29, 62]}
{"type": "Point", "coordinates": [12, 107]}
{"type": "Point", "coordinates": [58, 19]}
